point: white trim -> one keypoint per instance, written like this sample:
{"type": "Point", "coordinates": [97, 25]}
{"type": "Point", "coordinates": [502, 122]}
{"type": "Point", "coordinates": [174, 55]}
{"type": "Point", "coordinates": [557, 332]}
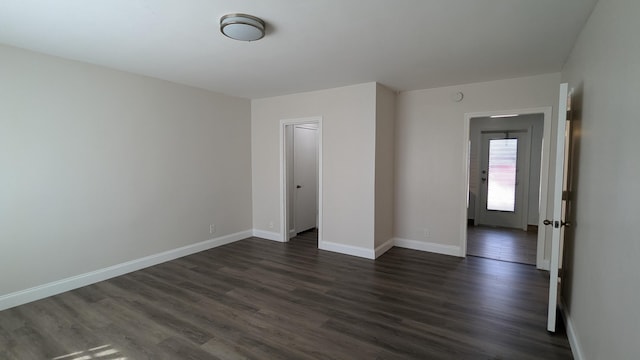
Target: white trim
{"type": "Point", "coordinates": [466, 163]}
{"type": "Point", "coordinates": [384, 247]}
{"type": "Point", "coordinates": [56, 287]}
{"type": "Point", "coordinates": [268, 235]}
{"type": "Point", "coordinates": [545, 164]}
{"type": "Point", "coordinates": [576, 349]}
{"type": "Point", "coordinates": [544, 265]}
{"type": "Point", "coordinates": [541, 262]}
{"type": "Point", "coordinates": [557, 184]}
{"type": "Point", "coordinates": [451, 250]}
{"type": "Point", "coordinates": [347, 249]}
{"type": "Point", "coordinates": [284, 217]}
{"type": "Point", "coordinates": [292, 233]}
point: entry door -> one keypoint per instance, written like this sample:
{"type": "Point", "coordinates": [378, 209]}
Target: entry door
{"type": "Point", "coordinates": [305, 177]}
{"type": "Point", "coordinates": [560, 206]}
{"type": "Point", "coordinates": [504, 178]}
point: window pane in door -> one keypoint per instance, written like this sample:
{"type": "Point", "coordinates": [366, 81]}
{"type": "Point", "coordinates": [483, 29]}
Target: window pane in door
{"type": "Point", "coordinates": [501, 191]}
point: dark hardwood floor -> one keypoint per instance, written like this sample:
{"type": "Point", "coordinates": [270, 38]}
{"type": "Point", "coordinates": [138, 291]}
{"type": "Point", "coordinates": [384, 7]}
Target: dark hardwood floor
{"type": "Point", "coordinates": [512, 245]}
{"type": "Point", "coordinates": [257, 299]}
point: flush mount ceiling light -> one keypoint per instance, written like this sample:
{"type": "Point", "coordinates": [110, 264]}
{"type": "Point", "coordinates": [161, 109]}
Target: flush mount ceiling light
{"type": "Point", "coordinates": [242, 27]}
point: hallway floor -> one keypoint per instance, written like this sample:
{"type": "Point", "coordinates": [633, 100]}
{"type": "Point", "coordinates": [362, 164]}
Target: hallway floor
{"type": "Point", "coordinates": [511, 245]}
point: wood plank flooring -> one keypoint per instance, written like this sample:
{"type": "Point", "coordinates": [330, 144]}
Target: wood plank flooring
{"type": "Point", "coordinates": [257, 299]}
{"type": "Point", "coordinates": [512, 245]}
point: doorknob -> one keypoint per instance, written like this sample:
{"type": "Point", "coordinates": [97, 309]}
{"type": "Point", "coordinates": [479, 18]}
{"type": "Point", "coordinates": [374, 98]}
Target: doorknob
{"type": "Point", "coordinates": [557, 224]}
{"type": "Point", "coordinates": [298, 186]}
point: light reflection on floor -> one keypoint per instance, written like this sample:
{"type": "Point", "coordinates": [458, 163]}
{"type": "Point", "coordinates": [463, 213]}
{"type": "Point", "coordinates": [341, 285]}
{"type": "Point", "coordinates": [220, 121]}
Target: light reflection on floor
{"type": "Point", "coordinates": [501, 292]}
{"type": "Point", "coordinates": [104, 352]}
{"type": "Point", "coordinates": [511, 245]}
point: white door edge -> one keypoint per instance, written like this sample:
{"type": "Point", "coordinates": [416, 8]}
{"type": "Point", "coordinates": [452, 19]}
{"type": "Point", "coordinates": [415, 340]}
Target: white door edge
{"type": "Point", "coordinates": [558, 184]}
{"type": "Point", "coordinates": [547, 111]}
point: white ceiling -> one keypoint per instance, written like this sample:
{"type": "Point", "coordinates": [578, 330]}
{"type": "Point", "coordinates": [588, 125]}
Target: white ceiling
{"type": "Point", "coordinates": [310, 44]}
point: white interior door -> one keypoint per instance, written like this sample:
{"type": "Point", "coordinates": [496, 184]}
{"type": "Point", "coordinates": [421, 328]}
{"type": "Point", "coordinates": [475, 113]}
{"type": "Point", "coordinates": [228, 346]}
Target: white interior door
{"type": "Point", "coordinates": [504, 178]}
{"type": "Point", "coordinates": [305, 177]}
{"type": "Point", "coordinates": [559, 206]}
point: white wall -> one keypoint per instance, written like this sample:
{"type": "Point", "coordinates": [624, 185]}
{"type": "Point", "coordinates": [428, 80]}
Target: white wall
{"type": "Point", "coordinates": [99, 167]}
{"type": "Point", "coordinates": [429, 151]}
{"type": "Point", "coordinates": [535, 122]}
{"type": "Point", "coordinates": [601, 288]}
{"type": "Point", "coordinates": [348, 136]}
{"type": "Point", "coordinates": [384, 171]}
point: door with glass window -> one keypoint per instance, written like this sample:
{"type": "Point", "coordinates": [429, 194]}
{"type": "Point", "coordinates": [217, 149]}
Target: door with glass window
{"type": "Point", "coordinates": [504, 179]}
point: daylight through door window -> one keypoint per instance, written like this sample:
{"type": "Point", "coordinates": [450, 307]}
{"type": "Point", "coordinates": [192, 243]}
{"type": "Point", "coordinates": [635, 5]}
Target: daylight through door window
{"type": "Point", "coordinates": [501, 191]}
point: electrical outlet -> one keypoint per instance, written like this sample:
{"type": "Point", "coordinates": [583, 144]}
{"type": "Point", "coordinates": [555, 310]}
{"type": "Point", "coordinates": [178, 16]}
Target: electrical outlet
{"type": "Point", "coordinates": [270, 224]}
{"type": "Point", "coordinates": [212, 228]}
{"type": "Point", "coordinates": [426, 233]}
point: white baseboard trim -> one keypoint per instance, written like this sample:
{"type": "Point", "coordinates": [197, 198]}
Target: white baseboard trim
{"type": "Point", "coordinates": [384, 247]}
{"type": "Point", "coordinates": [347, 249]}
{"type": "Point", "coordinates": [56, 287]}
{"type": "Point", "coordinates": [576, 349]}
{"type": "Point", "coordinates": [269, 235]}
{"type": "Point", "coordinates": [428, 246]}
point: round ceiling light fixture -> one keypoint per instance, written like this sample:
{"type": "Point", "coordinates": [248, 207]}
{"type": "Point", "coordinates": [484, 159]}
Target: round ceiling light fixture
{"type": "Point", "coordinates": [242, 27]}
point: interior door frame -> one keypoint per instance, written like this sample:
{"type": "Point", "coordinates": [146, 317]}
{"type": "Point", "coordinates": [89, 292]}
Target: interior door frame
{"type": "Point", "coordinates": [284, 196]}
{"type": "Point", "coordinates": [545, 164]}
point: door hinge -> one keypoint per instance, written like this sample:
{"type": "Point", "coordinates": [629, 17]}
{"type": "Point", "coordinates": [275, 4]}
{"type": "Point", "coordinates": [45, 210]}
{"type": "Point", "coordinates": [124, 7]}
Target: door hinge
{"type": "Point", "coordinates": [566, 194]}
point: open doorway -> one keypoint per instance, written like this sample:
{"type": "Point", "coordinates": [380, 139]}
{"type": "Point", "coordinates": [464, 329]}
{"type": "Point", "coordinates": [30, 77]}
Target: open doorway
{"type": "Point", "coordinates": [301, 187]}
{"type": "Point", "coordinates": [506, 199]}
